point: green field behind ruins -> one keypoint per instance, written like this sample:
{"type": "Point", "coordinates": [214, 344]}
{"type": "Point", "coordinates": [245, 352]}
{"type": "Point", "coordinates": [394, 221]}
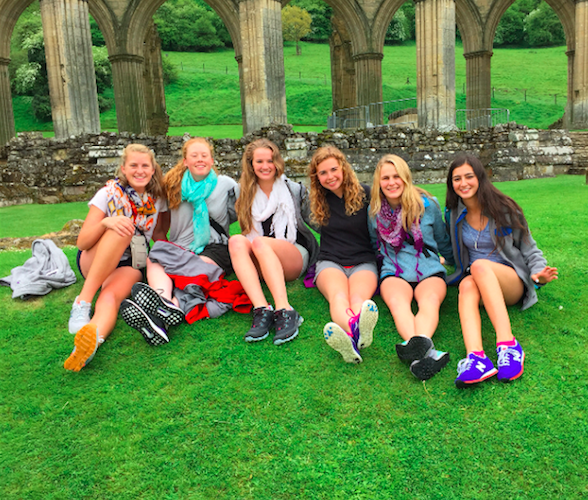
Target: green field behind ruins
{"type": "Point", "coordinates": [530, 82]}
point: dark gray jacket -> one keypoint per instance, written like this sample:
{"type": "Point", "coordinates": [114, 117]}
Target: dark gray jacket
{"type": "Point", "coordinates": [519, 250]}
{"type": "Point", "coordinates": [302, 205]}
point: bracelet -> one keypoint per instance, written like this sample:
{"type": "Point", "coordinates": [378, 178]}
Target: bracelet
{"type": "Point", "coordinates": [537, 281]}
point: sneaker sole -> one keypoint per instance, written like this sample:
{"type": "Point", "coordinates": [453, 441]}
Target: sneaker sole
{"type": "Point", "coordinates": [249, 338]}
{"type": "Point", "coordinates": [368, 318]}
{"type": "Point", "coordinates": [138, 320]}
{"type": "Point", "coordinates": [342, 343]}
{"type": "Point", "coordinates": [291, 337]}
{"type": "Point", "coordinates": [506, 380]}
{"type": "Point", "coordinates": [462, 383]}
{"type": "Point", "coordinates": [86, 344]}
{"type": "Point", "coordinates": [428, 367]}
{"type": "Point", "coordinates": [152, 303]}
{"type": "Point", "coordinates": [416, 348]}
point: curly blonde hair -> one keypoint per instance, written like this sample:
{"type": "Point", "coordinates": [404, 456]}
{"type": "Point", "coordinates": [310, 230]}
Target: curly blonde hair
{"type": "Point", "coordinates": [248, 181]}
{"type": "Point", "coordinates": [411, 201]}
{"type": "Point", "coordinates": [155, 186]}
{"type": "Point", "coordinates": [172, 181]}
{"type": "Point", "coordinates": [353, 193]}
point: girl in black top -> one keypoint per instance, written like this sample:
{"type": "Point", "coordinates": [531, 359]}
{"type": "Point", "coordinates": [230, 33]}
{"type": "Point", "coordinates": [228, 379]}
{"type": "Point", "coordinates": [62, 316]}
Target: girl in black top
{"type": "Point", "coordinates": [346, 272]}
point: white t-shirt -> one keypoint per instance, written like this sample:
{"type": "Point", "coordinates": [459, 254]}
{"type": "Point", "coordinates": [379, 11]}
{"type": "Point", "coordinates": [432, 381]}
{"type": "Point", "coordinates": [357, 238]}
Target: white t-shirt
{"type": "Point", "coordinates": [100, 201]}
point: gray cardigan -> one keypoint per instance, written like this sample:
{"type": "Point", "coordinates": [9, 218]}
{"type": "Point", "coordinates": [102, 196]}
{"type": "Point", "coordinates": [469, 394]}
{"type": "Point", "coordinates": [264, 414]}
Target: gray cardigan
{"type": "Point", "coordinates": [302, 205]}
{"type": "Point", "coordinates": [519, 250]}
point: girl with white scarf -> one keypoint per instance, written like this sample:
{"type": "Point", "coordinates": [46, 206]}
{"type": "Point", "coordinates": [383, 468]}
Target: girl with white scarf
{"type": "Point", "coordinates": [275, 245]}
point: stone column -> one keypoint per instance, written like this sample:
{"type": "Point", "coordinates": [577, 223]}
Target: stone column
{"type": "Point", "coordinates": [70, 67]}
{"type": "Point", "coordinates": [580, 78]}
{"type": "Point", "coordinates": [343, 85]}
{"type": "Point", "coordinates": [239, 59]}
{"type": "Point", "coordinates": [567, 117]}
{"type": "Point", "coordinates": [7, 130]}
{"type": "Point", "coordinates": [368, 72]}
{"type": "Point", "coordinates": [435, 35]}
{"type": "Point", "coordinates": [479, 91]}
{"type": "Point", "coordinates": [157, 117]}
{"type": "Point", "coordinates": [129, 92]}
{"type": "Point", "coordinates": [264, 79]}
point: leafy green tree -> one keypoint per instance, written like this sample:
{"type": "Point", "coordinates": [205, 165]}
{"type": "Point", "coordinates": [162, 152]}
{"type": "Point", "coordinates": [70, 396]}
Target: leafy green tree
{"type": "Point", "coordinates": [295, 24]}
{"type": "Point", "coordinates": [397, 29]}
{"type": "Point", "coordinates": [543, 28]}
{"type": "Point", "coordinates": [185, 26]}
{"type": "Point", "coordinates": [321, 13]}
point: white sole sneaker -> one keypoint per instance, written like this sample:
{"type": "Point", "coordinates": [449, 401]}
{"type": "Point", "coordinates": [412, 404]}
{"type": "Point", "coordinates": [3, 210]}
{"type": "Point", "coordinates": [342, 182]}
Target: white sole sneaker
{"type": "Point", "coordinates": [338, 339]}
{"type": "Point", "coordinates": [368, 317]}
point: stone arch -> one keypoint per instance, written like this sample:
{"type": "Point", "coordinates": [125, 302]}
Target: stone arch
{"type": "Point", "coordinates": [564, 9]}
{"type": "Point", "coordinates": [141, 17]}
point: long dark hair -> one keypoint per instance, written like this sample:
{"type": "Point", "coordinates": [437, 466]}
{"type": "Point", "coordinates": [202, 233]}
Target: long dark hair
{"type": "Point", "coordinates": [503, 209]}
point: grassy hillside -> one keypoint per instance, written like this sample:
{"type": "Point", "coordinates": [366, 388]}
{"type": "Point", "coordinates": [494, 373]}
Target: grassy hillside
{"type": "Point", "coordinates": [207, 92]}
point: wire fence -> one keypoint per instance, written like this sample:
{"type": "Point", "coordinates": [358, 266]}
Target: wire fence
{"type": "Point", "coordinates": [403, 113]}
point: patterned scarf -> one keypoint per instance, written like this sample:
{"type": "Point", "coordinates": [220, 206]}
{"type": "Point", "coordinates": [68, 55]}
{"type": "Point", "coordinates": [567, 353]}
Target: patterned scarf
{"type": "Point", "coordinates": [196, 193]}
{"type": "Point", "coordinates": [390, 231]}
{"type": "Point", "coordinates": [127, 202]}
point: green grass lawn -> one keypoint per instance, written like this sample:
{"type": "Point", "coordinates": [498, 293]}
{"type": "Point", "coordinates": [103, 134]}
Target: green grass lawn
{"type": "Point", "coordinates": [208, 416]}
{"type": "Point", "coordinates": [207, 94]}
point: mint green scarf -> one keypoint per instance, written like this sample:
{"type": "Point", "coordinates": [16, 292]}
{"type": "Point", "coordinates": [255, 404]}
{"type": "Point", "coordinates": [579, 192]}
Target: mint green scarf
{"type": "Point", "coordinates": [196, 193]}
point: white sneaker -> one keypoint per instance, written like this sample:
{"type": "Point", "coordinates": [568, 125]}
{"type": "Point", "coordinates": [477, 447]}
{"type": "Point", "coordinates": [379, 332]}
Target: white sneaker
{"type": "Point", "coordinates": [79, 316]}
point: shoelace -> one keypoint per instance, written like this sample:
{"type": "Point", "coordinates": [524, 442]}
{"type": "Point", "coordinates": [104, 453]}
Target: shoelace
{"type": "Point", "coordinates": [464, 365]}
{"type": "Point", "coordinates": [80, 311]}
{"type": "Point", "coordinates": [353, 319]}
{"type": "Point", "coordinates": [504, 356]}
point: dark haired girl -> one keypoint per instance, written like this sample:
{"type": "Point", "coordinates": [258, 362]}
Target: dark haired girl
{"type": "Point", "coordinates": [497, 264]}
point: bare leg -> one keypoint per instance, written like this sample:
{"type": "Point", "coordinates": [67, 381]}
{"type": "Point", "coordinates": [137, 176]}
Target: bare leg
{"type": "Point", "coordinates": [100, 261]}
{"type": "Point", "coordinates": [279, 261]}
{"type": "Point", "coordinates": [398, 295]}
{"type": "Point", "coordinates": [334, 285]}
{"type": "Point", "coordinates": [362, 286]}
{"type": "Point", "coordinates": [429, 295]}
{"type": "Point", "coordinates": [160, 281]}
{"type": "Point", "coordinates": [115, 289]}
{"type": "Point", "coordinates": [496, 286]}
{"type": "Point", "coordinates": [246, 269]}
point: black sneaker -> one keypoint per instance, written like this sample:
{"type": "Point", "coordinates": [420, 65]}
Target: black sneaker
{"type": "Point", "coordinates": [263, 320]}
{"type": "Point", "coordinates": [425, 368]}
{"type": "Point", "coordinates": [416, 348]}
{"type": "Point", "coordinates": [155, 305]}
{"type": "Point", "coordinates": [287, 323]}
{"type": "Point", "coordinates": [152, 328]}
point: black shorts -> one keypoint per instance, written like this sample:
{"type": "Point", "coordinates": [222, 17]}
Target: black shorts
{"type": "Point", "coordinates": [123, 263]}
{"type": "Point", "coordinates": [414, 284]}
{"type": "Point", "coordinates": [219, 253]}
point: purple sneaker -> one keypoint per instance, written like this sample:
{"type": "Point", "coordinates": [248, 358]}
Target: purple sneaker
{"type": "Point", "coordinates": [511, 361]}
{"type": "Point", "coordinates": [339, 340]}
{"type": "Point", "coordinates": [474, 369]}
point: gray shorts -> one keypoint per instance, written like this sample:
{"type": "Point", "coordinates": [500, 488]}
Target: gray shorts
{"type": "Point", "coordinates": [305, 258]}
{"type": "Point", "coordinates": [321, 265]}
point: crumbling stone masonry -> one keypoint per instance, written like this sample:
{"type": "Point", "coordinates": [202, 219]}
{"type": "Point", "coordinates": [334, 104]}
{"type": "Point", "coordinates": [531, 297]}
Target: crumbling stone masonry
{"type": "Point", "coordinates": [38, 170]}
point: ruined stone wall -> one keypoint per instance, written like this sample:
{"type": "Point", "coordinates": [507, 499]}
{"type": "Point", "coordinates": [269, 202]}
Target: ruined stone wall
{"type": "Point", "coordinates": [38, 170]}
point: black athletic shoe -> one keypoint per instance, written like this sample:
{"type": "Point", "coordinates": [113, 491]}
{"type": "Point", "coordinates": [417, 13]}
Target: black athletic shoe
{"type": "Point", "coordinates": [263, 320]}
{"type": "Point", "coordinates": [152, 328]}
{"type": "Point", "coordinates": [425, 368]}
{"type": "Point", "coordinates": [287, 323]}
{"type": "Point", "coordinates": [416, 348]}
{"type": "Point", "coordinates": [155, 305]}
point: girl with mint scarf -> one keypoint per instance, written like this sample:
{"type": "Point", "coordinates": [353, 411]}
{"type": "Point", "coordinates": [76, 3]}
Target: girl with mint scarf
{"type": "Point", "coordinates": [201, 208]}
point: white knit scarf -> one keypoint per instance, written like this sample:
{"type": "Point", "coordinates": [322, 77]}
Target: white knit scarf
{"type": "Point", "coordinates": [281, 205]}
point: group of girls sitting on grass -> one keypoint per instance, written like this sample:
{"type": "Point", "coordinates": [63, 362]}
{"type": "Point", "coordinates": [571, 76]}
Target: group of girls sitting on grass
{"type": "Point", "coordinates": [391, 234]}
